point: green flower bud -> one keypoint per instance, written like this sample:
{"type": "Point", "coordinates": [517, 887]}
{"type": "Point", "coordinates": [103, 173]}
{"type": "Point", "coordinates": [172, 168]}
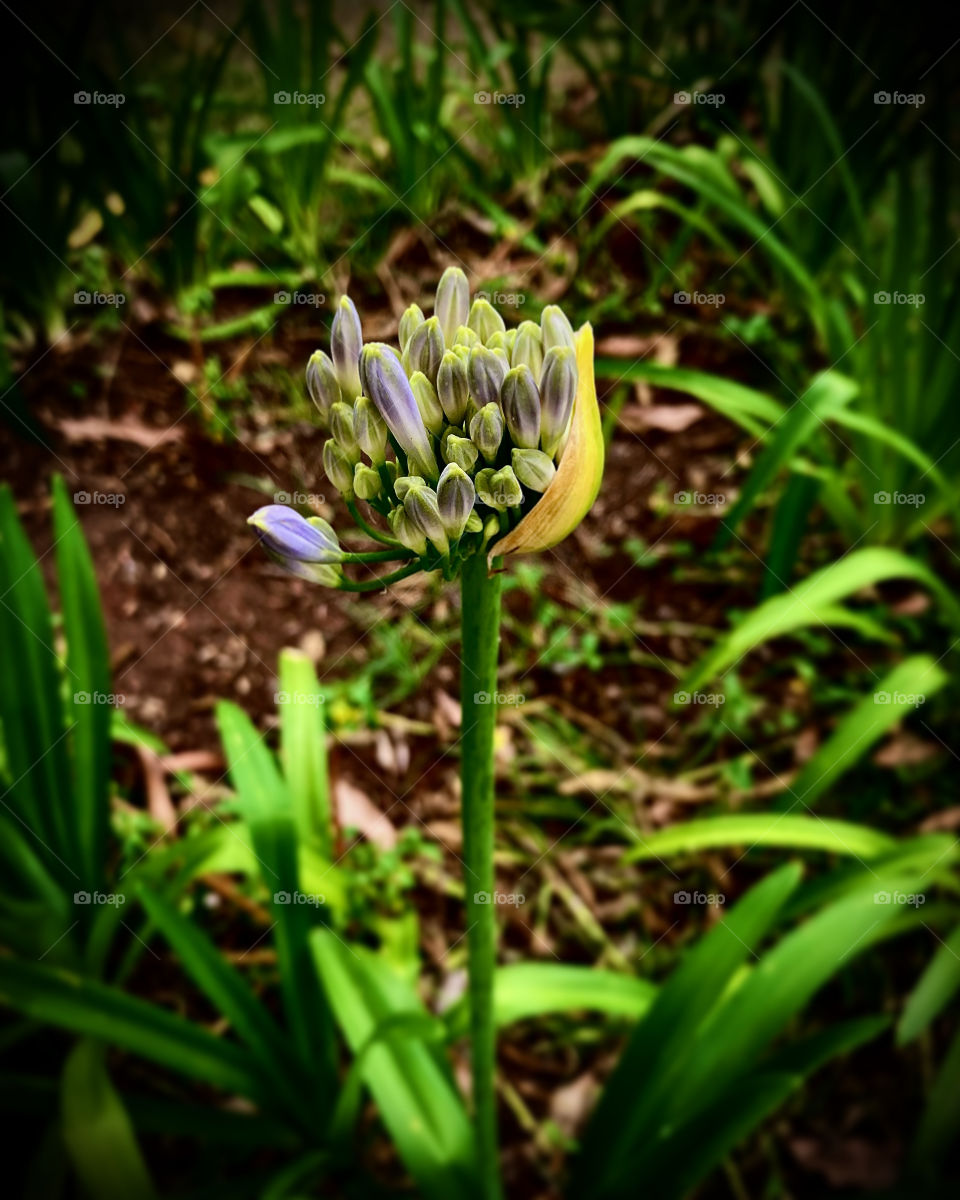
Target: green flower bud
{"type": "Point", "coordinates": [474, 523]}
{"type": "Point", "coordinates": [452, 388]}
{"type": "Point", "coordinates": [404, 530]}
{"type": "Point", "coordinates": [338, 468]}
{"type": "Point", "coordinates": [403, 483]}
{"type": "Point", "coordinates": [483, 482]}
{"type": "Point", "coordinates": [411, 320]}
{"type": "Point", "coordinates": [558, 390]}
{"type": "Point", "coordinates": [346, 342]}
{"type": "Point", "coordinates": [341, 426]}
{"type": "Point", "coordinates": [484, 319]}
{"type": "Point", "coordinates": [557, 330]}
{"type": "Point", "coordinates": [460, 450]}
{"type": "Point", "coordinates": [486, 431]}
{"type": "Point", "coordinates": [511, 341]}
{"type": "Point", "coordinates": [520, 401]}
{"type": "Point", "coordinates": [491, 530]}
{"type": "Point", "coordinates": [485, 372]}
{"type": "Point", "coordinates": [322, 383]}
{"type": "Point", "coordinates": [424, 350]}
{"type": "Point", "coordinates": [465, 336]}
{"type": "Point", "coordinates": [370, 430]}
{"type": "Point", "coordinates": [422, 507]}
{"type": "Point", "coordinates": [452, 303]}
{"type": "Point", "coordinates": [366, 482]}
{"type": "Point", "coordinates": [506, 487]}
{"type": "Point", "coordinates": [533, 468]}
{"type": "Point", "coordinates": [427, 402]}
{"type": "Point", "coordinates": [455, 497]}
{"type": "Point", "coordinates": [498, 340]}
{"type": "Point", "coordinates": [528, 348]}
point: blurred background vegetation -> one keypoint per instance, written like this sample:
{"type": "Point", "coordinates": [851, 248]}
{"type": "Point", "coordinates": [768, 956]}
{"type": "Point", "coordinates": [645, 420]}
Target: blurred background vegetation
{"type": "Point", "coordinates": [755, 205]}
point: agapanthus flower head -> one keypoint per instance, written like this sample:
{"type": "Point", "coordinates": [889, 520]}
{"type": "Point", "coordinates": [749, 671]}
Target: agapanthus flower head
{"type": "Point", "coordinates": [469, 438]}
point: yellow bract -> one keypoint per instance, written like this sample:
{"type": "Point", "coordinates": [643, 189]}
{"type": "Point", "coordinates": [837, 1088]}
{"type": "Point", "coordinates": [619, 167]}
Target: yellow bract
{"type": "Point", "coordinates": [574, 488]}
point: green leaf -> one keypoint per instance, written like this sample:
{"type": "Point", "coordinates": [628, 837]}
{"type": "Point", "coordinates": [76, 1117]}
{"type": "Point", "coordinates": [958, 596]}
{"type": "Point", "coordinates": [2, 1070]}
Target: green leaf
{"type": "Point", "coordinates": [97, 1130]}
{"type": "Point", "coordinates": [303, 748]}
{"type": "Point", "coordinates": [933, 991]}
{"type": "Point", "coordinates": [88, 665]}
{"type": "Point", "coordinates": [788, 830]}
{"type": "Point", "coordinates": [870, 718]}
{"type": "Point", "coordinates": [415, 1095]}
{"type": "Point", "coordinates": [812, 601]}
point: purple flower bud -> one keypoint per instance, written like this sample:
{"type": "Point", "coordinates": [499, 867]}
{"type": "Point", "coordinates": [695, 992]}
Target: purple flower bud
{"type": "Point", "coordinates": [452, 388]}
{"type": "Point", "coordinates": [485, 372]}
{"type": "Point", "coordinates": [520, 401]}
{"type": "Point", "coordinates": [322, 383]}
{"type": "Point", "coordinates": [306, 548]}
{"type": "Point", "coordinates": [486, 431]}
{"type": "Point", "coordinates": [558, 389]}
{"type": "Point", "coordinates": [386, 383]}
{"type": "Point", "coordinates": [453, 302]}
{"type": "Point", "coordinates": [455, 497]}
{"type": "Point", "coordinates": [346, 342]}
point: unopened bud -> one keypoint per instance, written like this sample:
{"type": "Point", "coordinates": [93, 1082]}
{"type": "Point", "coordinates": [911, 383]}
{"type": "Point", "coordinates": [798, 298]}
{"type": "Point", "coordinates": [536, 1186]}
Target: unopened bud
{"type": "Point", "coordinates": [403, 483]}
{"type": "Point", "coordinates": [346, 342]}
{"type": "Point", "coordinates": [520, 401]}
{"type": "Point", "coordinates": [533, 468]}
{"type": "Point", "coordinates": [427, 402]}
{"type": "Point", "coordinates": [528, 348]}
{"type": "Point", "coordinates": [557, 330]}
{"type": "Point", "coordinates": [486, 431]}
{"type": "Point", "coordinates": [485, 372]}
{"type": "Point", "coordinates": [507, 487]}
{"type": "Point", "coordinates": [452, 389]}
{"type": "Point", "coordinates": [465, 336]}
{"type": "Point", "coordinates": [322, 383]}
{"type": "Point", "coordinates": [455, 496]}
{"type": "Point", "coordinates": [484, 319]}
{"type": "Point", "coordinates": [411, 320]}
{"type": "Point", "coordinates": [370, 429]}
{"type": "Point", "coordinates": [338, 468]}
{"type": "Point", "coordinates": [460, 450]}
{"type": "Point", "coordinates": [422, 507]}
{"type": "Point", "coordinates": [341, 426]}
{"type": "Point", "coordinates": [453, 302]}
{"type": "Point", "coordinates": [424, 350]}
{"type": "Point", "coordinates": [366, 482]}
{"type": "Point", "coordinates": [404, 530]}
{"type": "Point", "coordinates": [558, 389]}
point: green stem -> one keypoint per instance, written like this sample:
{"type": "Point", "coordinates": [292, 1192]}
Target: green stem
{"type": "Point", "coordinates": [367, 556]}
{"type": "Point", "coordinates": [382, 581]}
{"type": "Point", "coordinates": [376, 534]}
{"type": "Point", "coordinates": [480, 624]}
